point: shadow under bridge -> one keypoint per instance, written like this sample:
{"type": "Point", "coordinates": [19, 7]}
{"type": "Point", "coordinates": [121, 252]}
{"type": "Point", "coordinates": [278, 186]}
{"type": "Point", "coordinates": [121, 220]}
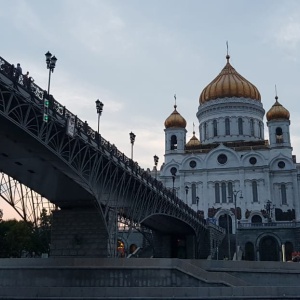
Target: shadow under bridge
{"type": "Point", "coordinates": [89, 179]}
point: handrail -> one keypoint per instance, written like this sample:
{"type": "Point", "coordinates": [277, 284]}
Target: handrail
{"type": "Point", "coordinates": [27, 83]}
{"type": "Point", "coordinates": [278, 224]}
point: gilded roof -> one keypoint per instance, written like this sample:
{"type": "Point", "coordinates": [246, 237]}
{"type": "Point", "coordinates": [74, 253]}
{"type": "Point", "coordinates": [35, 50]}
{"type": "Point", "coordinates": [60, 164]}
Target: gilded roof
{"type": "Point", "coordinates": [229, 83]}
{"type": "Point", "coordinates": [175, 120]}
{"type": "Point", "coordinates": [193, 142]}
{"type": "Point", "coordinates": [277, 111]}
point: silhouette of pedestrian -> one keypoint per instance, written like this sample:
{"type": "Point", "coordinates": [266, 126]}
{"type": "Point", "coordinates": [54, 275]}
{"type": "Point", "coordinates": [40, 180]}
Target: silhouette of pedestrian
{"type": "Point", "coordinates": [11, 71]}
{"type": "Point", "coordinates": [25, 79]}
{"type": "Point", "coordinates": [18, 72]}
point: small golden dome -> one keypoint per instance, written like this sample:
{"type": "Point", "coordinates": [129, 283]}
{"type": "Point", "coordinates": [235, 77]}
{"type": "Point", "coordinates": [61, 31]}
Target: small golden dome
{"type": "Point", "coordinates": [229, 83]}
{"type": "Point", "coordinates": [175, 120]}
{"type": "Point", "coordinates": [277, 111]}
{"type": "Point", "coordinates": [193, 142]}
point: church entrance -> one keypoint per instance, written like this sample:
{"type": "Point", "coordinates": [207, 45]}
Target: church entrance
{"type": "Point", "coordinates": [249, 252]}
{"type": "Point", "coordinates": [268, 249]}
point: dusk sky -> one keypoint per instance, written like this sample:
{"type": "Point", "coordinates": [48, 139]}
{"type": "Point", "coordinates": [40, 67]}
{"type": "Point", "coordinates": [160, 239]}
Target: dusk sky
{"type": "Point", "coordinates": [135, 55]}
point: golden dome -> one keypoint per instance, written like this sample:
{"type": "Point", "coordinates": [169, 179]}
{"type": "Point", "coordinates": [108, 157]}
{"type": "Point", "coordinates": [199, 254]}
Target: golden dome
{"type": "Point", "coordinates": [175, 120]}
{"type": "Point", "coordinates": [277, 111]}
{"type": "Point", "coordinates": [229, 83]}
{"type": "Point", "coordinates": [193, 142]}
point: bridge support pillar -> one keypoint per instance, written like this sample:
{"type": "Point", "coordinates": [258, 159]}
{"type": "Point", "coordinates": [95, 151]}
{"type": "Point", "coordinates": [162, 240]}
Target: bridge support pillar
{"type": "Point", "coordinates": [172, 246]}
{"type": "Point", "coordinates": [78, 232]}
{"type": "Point", "coordinates": [162, 245]}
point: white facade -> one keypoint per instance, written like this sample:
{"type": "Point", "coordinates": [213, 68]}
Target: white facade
{"type": "Point", "coordinates": [233, 158]}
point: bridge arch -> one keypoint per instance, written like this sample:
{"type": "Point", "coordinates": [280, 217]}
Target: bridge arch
{"type": "Point", "coordinates": [90, 178]}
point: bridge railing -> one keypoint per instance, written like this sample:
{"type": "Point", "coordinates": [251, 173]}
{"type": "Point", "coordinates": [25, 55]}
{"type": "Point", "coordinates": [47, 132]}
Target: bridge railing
{"type": "Point", "coordinates": [79, 128]}
{"type": "Point", "coordinates": [271, 225]}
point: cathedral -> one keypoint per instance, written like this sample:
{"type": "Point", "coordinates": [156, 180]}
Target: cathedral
{"type": "Point", "coordinates": [233, 175]}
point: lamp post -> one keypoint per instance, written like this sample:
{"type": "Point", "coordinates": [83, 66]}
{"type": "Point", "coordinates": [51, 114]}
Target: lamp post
{"type": "Point", "coordinates": [51, 62]}
{"type": "Point", "coordinates": [235, 193]}
{"type": "Point", "coordinates": [173, 172]}
{"type": "Point", "coordinates": [132, 140]}
{"type": "Point", "coordinates": [186, 193]}
{"type": "Point", "coordinates": [99, 107]}
{"type": "Point", "coordinates": [155, 164]}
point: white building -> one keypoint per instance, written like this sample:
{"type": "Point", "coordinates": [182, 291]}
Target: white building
{"type": "Point", "coordinates": [232, 170]}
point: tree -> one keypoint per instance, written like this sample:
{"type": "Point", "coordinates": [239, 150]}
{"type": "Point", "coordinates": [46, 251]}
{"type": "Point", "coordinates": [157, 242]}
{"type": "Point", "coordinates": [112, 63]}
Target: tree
{"type": "Point", "coordinates": [15, 238]}
{"type": "Point", "coordinates": [19, 238]}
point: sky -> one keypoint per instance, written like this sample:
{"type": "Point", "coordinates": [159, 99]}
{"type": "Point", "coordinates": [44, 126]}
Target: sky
{"type": "Point", "coordinates": [135, 55]}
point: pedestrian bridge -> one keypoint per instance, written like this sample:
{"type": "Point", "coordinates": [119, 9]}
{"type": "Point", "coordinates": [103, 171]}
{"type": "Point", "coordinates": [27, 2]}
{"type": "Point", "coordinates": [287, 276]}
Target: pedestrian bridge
{"type": "Point", "coordinates": [49, 149]}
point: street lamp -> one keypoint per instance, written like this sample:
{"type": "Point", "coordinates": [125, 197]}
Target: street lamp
{"type": "Point", "coordinates": [51, 62]}
{"type": "Point", "coordinates": [155, 163]}
{"type": "Point", "coordinates": [99, 107]}
{"type": "Point", "coordinates": [132, 140]}
{"type": "Point", "coordinates": [186, 193]}
{"type": "Point", "coordinates": [173, 172]}
{"type": "Point", "coordinates": [235, 193]}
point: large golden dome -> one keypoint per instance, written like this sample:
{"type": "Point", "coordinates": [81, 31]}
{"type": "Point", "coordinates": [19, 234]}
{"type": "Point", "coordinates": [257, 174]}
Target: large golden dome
{"type": "Point", "coordinates": [229, 83]}
{"type": "Point", "coordinates": [193, 142]}
{"type": "Point", "coordinates": [277, 111]}
{"type": "Point", "coordinates": [175, 120]}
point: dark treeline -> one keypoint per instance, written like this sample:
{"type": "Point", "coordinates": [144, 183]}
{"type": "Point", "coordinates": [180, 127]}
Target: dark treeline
{"type": "Point", "coordinates": [23, 239]}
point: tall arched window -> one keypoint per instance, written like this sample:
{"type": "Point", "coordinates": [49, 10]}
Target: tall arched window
{"type": "Point", "coordinates": [240, 125]}
{"type": "Point", "coordinates": [260, 130]}
{"type": "Point", "coordinates": [194, 200]}
{"type": "Point", "coordinates": [217, 193]}
{"type": "Point", "coordinates": [283, 194]}
{"type": "Point", "coordinates": [205, 130]}
{"type": "Point", "coordinates": [254, 191]}
{"type": "Point", "coordinates": [215, 127]}
{"type": "Point", "coordinates": [224, 198]}
{"type": "Point", "coordinates": [251, 127]}
{"type": "Point", "coordinates": [227, 126]}
{"type": "Point", "coordinates": [279, 135]}
{"type": "Point", "coordinates": [173, 142]}
{"type": "Point", "coordinates": [230, 192]}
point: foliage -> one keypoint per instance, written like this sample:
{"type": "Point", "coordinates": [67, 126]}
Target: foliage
{"type": "Point", "coordinates": [20, 238]}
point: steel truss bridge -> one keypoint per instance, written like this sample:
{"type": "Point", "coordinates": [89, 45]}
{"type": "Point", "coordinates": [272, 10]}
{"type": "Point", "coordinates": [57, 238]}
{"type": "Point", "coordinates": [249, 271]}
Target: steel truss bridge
{"type": "Point", "coordinates": [68, 163]}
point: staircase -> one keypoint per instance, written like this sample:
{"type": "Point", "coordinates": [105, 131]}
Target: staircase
{"type": "Point", "coordinates": [87, 278]}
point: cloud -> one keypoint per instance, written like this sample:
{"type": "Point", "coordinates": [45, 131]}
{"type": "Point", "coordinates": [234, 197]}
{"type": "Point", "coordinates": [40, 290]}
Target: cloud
{"type": "Point", "coordinates": [289, 34]}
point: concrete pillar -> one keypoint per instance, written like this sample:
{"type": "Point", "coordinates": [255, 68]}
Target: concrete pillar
{"type": "Point", "coordinates": [162, 245]}
{"type": "Point", "coordinates": [191, 247]}
{"type": "Point", "coordinates": [78, 232]}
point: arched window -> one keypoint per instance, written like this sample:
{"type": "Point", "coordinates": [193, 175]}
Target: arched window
{"type": "Point", "coordinates": [279, 135]}
{"type": "Point", "coordinates": [173, 142]}
{"type": "Point", "coordinates": [215, 127]}
{"type": "Point", "coordinates": [240, 125]}
{"type": "Point", "coordinates": [283, 194]}
{"type": "Point", "coordinates": [194, 200]}
{"type": "Point", "coordinates": [217, 193]}
{"type": "Point", "coordinates": [230, 192]}
{"type": "Point", "coordinates": [256, 219]}
{"type": "Point", "coordinates": [249, 251]}
{"type": "Point", "coordinates": [260, 130]}
{"type": "Point", "coordinates": [254, 191]}
{"type": "Point", "coordinates": [224, 198]}
{"type": "Point", "coordinates": [205, 131]}
{"type": "Point", "coordinates": [251, 127]}
{"type": "Point", "coordinates": [227, 126]}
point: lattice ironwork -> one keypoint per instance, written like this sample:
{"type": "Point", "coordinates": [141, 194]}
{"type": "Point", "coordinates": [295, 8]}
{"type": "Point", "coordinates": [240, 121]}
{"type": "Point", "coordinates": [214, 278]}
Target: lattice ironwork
{"type": "Point", "coordinates": [27, 203]}
{"type": "Point", "coordinates": [99, 167]}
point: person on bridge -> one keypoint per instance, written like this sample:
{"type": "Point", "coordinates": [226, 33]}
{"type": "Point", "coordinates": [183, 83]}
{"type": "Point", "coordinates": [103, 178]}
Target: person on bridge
{"type": "Point", "coordinates": [18, 72]}
{"type": "Point", "coordinates": [25, 79]}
